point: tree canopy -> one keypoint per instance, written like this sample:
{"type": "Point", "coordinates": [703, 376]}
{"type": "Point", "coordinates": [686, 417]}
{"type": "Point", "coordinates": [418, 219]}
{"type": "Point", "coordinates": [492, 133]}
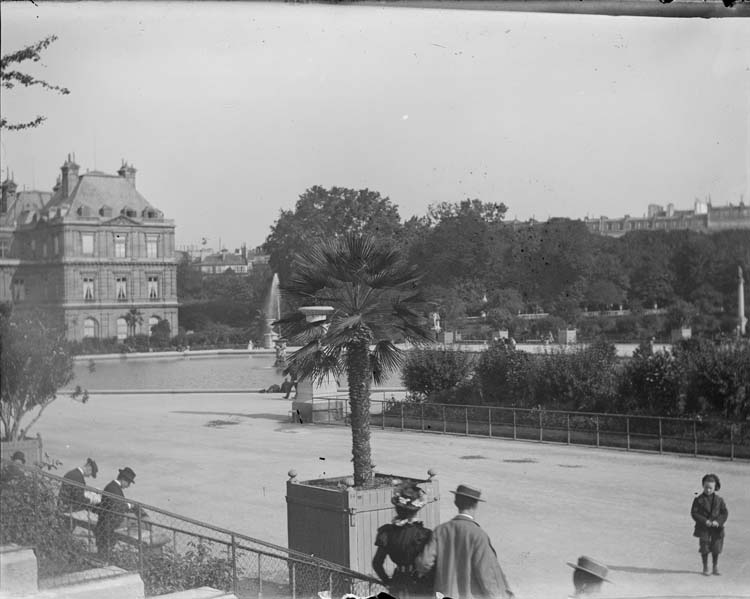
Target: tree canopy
{"type": "Point", "coordinates": [35, 363]}
{"type": "Point", "coordinates": [321, 214]}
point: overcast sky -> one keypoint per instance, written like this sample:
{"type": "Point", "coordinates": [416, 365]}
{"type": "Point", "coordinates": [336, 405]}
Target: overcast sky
{"type": "Point", "coordinates": [229, 111]}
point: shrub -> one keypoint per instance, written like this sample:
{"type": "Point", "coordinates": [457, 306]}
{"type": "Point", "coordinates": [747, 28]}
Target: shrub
{"type": "Point", "coordinates": [651, 384]}
{"type": "Point", "coordinates": [30, 516]}
{"type": "Point", "coordinates": [503, 376]}
{"type": "Point", "coordinates": [716, 378]}
{"type": "Point", "coordinates": [428, 371]}
{"type": "Point", "coordinates": [585, 380]}
{"type": "Point", "coordinates": [169, 572]}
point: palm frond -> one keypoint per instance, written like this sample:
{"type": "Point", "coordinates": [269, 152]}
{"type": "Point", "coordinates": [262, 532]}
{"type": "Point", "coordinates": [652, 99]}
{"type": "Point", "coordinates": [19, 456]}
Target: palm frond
{"type": "Point", "coordinates": [385, 358]}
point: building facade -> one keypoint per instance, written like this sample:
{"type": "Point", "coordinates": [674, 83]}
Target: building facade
{"type": "Point", "coordinates": [703, 218]}
{"type": "Point", "coordinates": [96, 255]}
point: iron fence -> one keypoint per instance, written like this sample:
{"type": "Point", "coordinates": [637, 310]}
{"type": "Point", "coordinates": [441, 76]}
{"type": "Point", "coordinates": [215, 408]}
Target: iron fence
{"type": "Point", "coordinates": [169, 551]}
{"type": "Point", "coordinates": [661, 434]}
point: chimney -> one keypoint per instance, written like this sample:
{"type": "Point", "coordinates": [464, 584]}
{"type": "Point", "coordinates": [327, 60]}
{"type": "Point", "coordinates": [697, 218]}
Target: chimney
{"type": "Point", "coordinates": [69, 176]}
{"type": "Point", "coordinates": [8, 194]}
{"type": "Point", "coordinates": [127, 171]}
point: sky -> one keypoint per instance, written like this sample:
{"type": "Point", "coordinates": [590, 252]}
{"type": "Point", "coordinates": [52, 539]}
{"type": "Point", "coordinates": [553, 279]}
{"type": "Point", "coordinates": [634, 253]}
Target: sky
{"type": "Point", "coordinates": [230, 111]}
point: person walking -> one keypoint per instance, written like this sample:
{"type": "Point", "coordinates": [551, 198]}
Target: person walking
{"type": "Point", "coordinates": [403, 540]}
{"type": "Point", "coordinates": [710, 514]}
{"type": "Point", "coordinates": [74, 497]}
{"type": "Point", "coordinates": [465, 562]}
{"type": "Point", "coordinates": [111, 511]}
{"type": "Point", "coordinates": [588, 576]}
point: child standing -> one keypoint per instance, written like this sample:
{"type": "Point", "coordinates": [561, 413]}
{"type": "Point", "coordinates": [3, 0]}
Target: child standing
{"type": "Point", "coordinates": [710, 513]}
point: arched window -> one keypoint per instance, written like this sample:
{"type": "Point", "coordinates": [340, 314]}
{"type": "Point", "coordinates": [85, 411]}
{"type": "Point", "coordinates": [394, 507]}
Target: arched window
{"type": "Point", "coordinates": [153, 321]}
{"type": "Point", "coordinates": [122, 329]}
{"type": "Point", "coordinates": [90, 328]}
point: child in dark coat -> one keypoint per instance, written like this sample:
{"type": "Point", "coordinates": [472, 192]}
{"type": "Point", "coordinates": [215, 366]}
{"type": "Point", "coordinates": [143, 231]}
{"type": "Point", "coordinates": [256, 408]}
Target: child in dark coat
{"type": "Point", "coordinates": [710, 514]}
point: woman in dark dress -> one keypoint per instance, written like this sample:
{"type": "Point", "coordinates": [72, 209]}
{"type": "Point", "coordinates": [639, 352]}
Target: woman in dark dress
{"type": "Point", "coordinates": [403, 540]}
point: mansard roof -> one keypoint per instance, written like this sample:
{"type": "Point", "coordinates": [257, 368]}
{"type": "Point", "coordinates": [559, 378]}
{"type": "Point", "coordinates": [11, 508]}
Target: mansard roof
{"type": "Point", "coordinates": [23, 202]}
{"type": "Point", "coordinates": [96, 190]}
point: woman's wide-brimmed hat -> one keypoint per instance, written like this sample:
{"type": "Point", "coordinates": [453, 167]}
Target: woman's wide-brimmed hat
{"type": "Point", "coordinates": [128, 474]}
{"type": "Point", "coordinates": [409, 497]}
{"type": "Point", "coordinates": [467, 491]}
{"type": "Point", "coordinates": [94, 467]}
{"type": "Point", "coordinates": [591, 566]}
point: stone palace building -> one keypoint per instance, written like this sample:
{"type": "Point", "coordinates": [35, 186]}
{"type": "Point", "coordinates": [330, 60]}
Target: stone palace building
{"type": "Point", "coordinates": [94, 253]}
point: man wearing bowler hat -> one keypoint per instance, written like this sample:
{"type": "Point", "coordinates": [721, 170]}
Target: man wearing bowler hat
{"type": "Point", "coordinates": [465, 562]}
{"type": "Point", "coordinates": [588, 576]}
{"type": "Point", "coordinates": [112, 510]}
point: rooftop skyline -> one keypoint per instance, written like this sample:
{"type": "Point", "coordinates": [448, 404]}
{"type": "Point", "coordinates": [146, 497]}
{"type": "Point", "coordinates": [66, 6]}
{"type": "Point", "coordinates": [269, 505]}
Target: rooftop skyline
{"type": "Point", "coordinates": [229, 111]}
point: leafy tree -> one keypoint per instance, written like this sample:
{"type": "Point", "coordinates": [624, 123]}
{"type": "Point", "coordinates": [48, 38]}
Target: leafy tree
{"type": "Point", "coordinates": [458, 242]}
{"type": "Point", "coordinates": [375, 304]}
{"type": "Point", "coordinates": [321, 214]}
{"type": "Point", "coordinates": [10, 78]}
{"type": "Point", "coordinates": [161, 333]}
{"type": "Point", "coordinates": [35, 363]}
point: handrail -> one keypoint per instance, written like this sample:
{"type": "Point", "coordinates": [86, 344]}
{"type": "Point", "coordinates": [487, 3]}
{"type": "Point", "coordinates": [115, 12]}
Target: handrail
{"type": "Point", "coordinates": [290, 554]}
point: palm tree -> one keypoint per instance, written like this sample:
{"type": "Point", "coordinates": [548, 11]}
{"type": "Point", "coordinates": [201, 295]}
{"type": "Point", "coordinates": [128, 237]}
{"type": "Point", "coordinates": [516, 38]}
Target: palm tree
{"type": "Point", "coordinates": [133, 318]}
{"type": "Point", "coordinates": [375, 304]}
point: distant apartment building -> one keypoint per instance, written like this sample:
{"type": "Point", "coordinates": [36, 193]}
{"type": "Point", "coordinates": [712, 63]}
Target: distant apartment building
{"type": "Point", "coordinates": [224, 262]}
{"type": "Point", "coordinates": [91, 253]}
{"type": "Point", "coordinates": [703, 218]}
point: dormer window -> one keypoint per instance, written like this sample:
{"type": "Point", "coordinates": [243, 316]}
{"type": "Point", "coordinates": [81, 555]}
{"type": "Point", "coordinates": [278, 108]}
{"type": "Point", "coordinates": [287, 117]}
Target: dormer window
{"type": "Point", "coordinates": [105, 211]}
{"type": "Point", "coordinates": [129, 212]}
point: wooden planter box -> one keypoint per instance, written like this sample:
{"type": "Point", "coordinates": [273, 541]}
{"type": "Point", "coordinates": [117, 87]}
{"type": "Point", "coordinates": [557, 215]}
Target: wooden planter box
{"type": "Point", "coordinates": [339, 524]}
{"type": "Point", "coordinates": [32, 449]}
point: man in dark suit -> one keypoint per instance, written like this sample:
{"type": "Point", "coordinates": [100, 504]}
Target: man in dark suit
{"type": "Point", "coordinates": [112, 510]}
{"type": "Point", "coordinates": [73, 497]}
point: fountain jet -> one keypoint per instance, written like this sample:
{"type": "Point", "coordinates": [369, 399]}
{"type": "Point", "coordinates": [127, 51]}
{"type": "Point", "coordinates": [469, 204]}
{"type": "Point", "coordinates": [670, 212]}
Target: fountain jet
{"type": "Point", "coordinates": [273, 313]}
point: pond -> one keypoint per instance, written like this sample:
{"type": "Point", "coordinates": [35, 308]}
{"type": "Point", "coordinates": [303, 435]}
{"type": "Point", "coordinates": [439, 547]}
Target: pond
{"type": "Point", "coordinates": [246, 371]}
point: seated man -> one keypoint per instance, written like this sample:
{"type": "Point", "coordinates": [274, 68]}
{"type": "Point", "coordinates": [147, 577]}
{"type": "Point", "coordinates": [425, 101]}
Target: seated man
{"type": "Point", "coordinates": [73, 497]}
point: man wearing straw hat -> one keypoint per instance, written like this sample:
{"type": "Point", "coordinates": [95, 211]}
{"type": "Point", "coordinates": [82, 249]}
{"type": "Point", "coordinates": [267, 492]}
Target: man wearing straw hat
{"type": "Point", "coordinates": [588, 576]}
{"type": "Point", "coordinates": [465, 562]}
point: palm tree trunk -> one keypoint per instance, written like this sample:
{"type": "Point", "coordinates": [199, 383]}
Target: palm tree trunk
{"type": "Point", "coordinates": [358, 369]}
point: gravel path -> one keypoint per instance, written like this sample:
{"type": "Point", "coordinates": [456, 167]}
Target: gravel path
{"type": "Point", "coordinates": [546, 504]}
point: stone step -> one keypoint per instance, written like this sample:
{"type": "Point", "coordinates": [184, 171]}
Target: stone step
{"type": "Point", "coordinates": [199, 593]}
{"type": "Point", "coordinates": [18, 571]}
{"type": "Point", "coordinates": [110, 582]}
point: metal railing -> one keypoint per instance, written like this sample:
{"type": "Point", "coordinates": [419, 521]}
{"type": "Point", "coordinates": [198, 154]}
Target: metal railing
{"type": "Point", "coordinates": [173, 552]}
{"type": "Point", "coordinates": [661, 434]}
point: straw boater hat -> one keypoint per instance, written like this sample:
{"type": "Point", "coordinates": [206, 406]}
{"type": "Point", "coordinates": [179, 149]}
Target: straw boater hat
{"type": "Point", "coordinates": [128, 474]}
{"type": "Point", "coordinates": [591, 566]}
{"type": "Point", "coordinates": [467, 491]}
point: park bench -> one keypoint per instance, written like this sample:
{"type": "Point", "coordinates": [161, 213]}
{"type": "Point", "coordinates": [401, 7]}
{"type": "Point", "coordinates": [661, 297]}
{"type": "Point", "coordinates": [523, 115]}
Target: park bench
{"type": "Point", "coordinates": [127, 532]}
